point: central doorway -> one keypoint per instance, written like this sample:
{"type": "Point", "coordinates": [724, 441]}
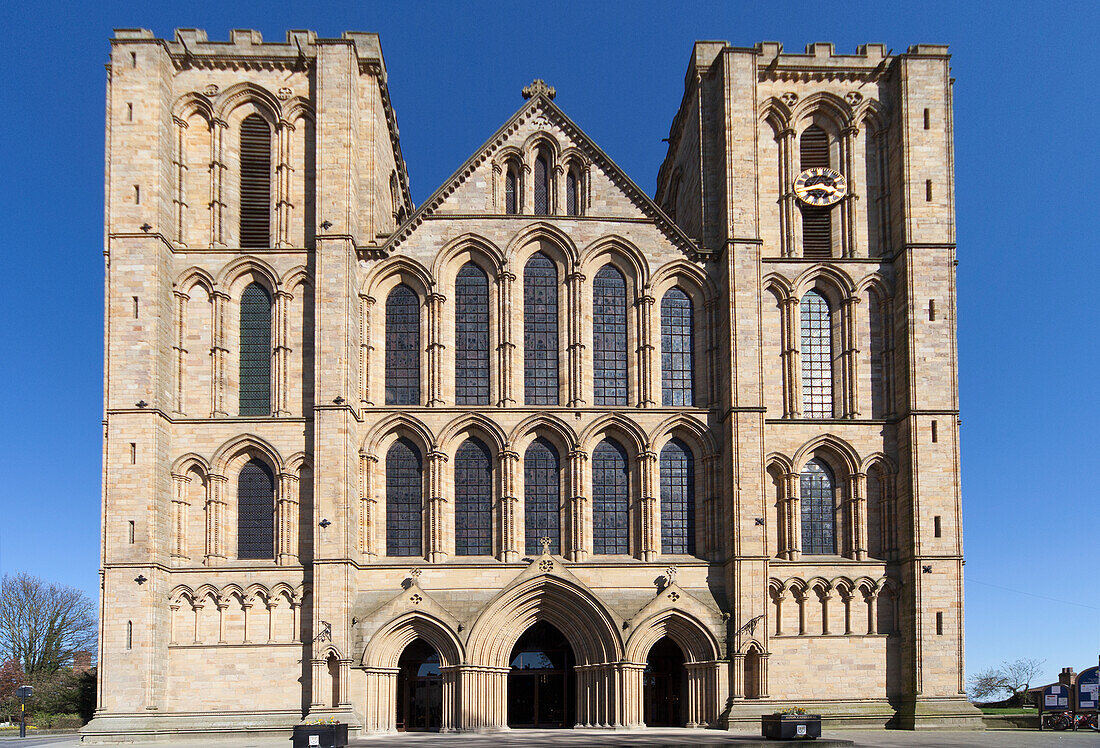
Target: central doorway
{"type": "Point", "coordinates": [541, 683]}
{"type": "Point", "coordinates": [663, 682]}
{"type": "Point", "coordinates": [419, 688]}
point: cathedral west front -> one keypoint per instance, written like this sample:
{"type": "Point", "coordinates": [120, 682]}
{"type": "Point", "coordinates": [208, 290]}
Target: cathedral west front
{"type": "Point", "coordinates": [545, 450]}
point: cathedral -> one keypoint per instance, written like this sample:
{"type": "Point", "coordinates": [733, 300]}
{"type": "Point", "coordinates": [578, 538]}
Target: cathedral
{"type": "Point", "coordinates": [545, 450]}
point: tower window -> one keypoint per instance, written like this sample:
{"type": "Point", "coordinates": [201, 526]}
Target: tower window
{"type": "Point", "coordinates": [540, 331]}
{"type": "Point", "coordinates": [677, 498]}
{"type": "Point", "coordinates": [817, 231]}
{"type": "Point", "coordinates": [473, 499]}
{"type": "Point", "coordinates": [677, 349]}
{"type": "Point", "coordinates": [255, 352]}
{"type": "Point", "coordinates": [256, 511]}
{"type": "Point", "coordinates": [255, 182]}
{"type": "Point", "coordinates": [541, 497]}
{"type": "Point", "coordinates": [817, 495]}
{"type": "Point", "coordinates": [610, 499]}
{"type": "Point", "coordinates": [939, 623]}
{"type": "Point", "coordinates": [937, 526]}
{"type": "Point", "coordinates": [404, 500]}
{"type": "Point", "coordinates": [609, 336]}
{"type": "Point", "coordinates": [542, 185]}
{"type": "Point", "coordinates": [511, 190]}
{"type": "Point", "coordinates": [402, 347]}
{"type": "Point", "coordinates": [817, 356]}
{"type": "Point", "coordinates": [471, 336]}
{"type": "Point", "coordinates": [572, 198]}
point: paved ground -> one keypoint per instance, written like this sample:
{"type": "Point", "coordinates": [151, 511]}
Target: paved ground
{"type": "Point", "coordinates": [647, 739]}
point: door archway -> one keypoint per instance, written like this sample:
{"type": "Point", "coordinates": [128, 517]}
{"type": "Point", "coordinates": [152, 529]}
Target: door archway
{"type": "Point", "coordinates": [664, 681]}
{"type": "Point", "coordinates": [541, 682]}
{"type": "Point", "coordinates": [419, 688]}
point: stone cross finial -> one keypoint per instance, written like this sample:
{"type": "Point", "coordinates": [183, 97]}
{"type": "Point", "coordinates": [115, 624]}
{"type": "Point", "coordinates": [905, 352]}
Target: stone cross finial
{"type": "Point", "coordinates": [415, 574]}
{"type": "Point", "coordinates": [670, 575]}
{"type": "Point", "coordinates": [545, 540]}
{"type": "Point", "coordinates": [538, 86]}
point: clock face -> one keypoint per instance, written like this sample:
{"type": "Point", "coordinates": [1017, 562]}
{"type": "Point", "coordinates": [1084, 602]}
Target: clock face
{"type": "Point", "coordinates": [820, 186]}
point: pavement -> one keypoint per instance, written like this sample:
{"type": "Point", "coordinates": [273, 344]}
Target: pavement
{"type": "Point", "coordinates": [653, 738]}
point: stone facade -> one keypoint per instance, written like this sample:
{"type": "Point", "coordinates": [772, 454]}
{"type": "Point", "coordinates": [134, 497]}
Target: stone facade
{"type": "Point", "coordinates": [197, 634]}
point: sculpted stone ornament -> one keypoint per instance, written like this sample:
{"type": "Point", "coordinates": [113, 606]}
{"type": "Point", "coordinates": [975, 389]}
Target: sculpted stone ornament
{"type": "Point", "coordinates": [670, 576]}
{"type": "Point", "coordinates": [538, 86]}
{"type": "Point", "coordinates": [545, 541]}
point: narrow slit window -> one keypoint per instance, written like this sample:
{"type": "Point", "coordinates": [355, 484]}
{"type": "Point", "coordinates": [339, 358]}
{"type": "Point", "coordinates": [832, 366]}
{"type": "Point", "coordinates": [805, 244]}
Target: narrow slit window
{"type": "Point", "coordinates": [133, 453]}
{"type": "Point", "coordinates": [402, 347]}
{"type": "Point", "coordinates": [137, 194]}
{"type": "Point", "coordinates": [255, 212]}
{"type": "Point", "coordinates": [572, 198]}
{"type": "Point", "coordinates": [255, 351]}
{"type": "Point", "coordinates": [935, 435]}
{"type": "Point", "coordinates": [129, 112]}
{"type": "Point", "coordinates": [131, 530]}
{"type": "Point", "coordinates": [135, 307]}
{"type": "Point", "coordinates": [937, 526]}
{"type": "Point", "coordinates": [817, 356]}
{"type": "Point", "coordinates": [542, 185]}
{"type": "Point", "coordinates": [927, 119]}
{"type": "Point", "coordinates": [610, 499]}
{"type": "Point", "coordinates": [931, 310]}
{"type": "Point", "coordinates": [939, 623]}
{"type": "Point", "coordinates": [129, 635]}
{"type": "Point", "coordinates": [511, 190]}
{"type": "Point", "coordinates": [133, 59]}
{"type": "Point", "coordinates": [609, 337]}
{"type": "Point", "coordinates": [540, 331]}
{"type": "Point", "coordinates": [471, 336]}
{"type": "Point", "coordinates": [928, 190]}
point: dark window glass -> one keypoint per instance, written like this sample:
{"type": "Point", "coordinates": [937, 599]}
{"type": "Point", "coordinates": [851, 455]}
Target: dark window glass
{"type": "Point", "coordinates": [572, 201]}
{"type": "Point", "coordinates": [609, 336]}
{"type": "Point", "coordinates": [610, 499]}
{"type": "Point", "coordinates": [677, 498]}
{"type": "Point", "coordinates": [511, 191]}
{"type": "Point", "coordinates": [677, 349]}
{"type": "Point", "coordinates": [255, 182]}
{"type": "Point", "coordinates": [541, 497]}
{"type": "Point", "coordinates": [817, 357]}
{"type": "Point", "coordinates": [473, 500]}
{"type": "Point", "coordinates": [542, 186]}
{"type": "Point", "coordinates": [255, 362]}
{"type": "Point", "coordinates": [402, 347]}
{"type": "Point", "coordinates": [404, 500]}
{"type": "Point", "coordinates": [540, 331]}
{"type": "Point", "coordinates": [816, 490]}
{"type": "Point", "coordinates": [817, 229]}
{"type": "Point", "coordinates": [471, 336]}
{"type": "Point", "coordinates": [256, 511]}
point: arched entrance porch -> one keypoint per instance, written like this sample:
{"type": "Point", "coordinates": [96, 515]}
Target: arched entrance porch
{"type": "Point", "coordinates": [663, 682]}
{"type": "Point", "coordinates": [542, 683]}
{"type": "Point", "coordinates": [419, 689]}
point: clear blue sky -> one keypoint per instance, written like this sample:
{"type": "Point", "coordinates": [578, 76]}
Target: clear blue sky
{"type": "Point", "coordinates": [1025, 123]}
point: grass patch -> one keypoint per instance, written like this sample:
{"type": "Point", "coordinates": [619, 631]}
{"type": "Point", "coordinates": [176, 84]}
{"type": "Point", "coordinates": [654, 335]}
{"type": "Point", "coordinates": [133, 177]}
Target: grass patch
{"type": "Point", "coordinates": [1008, 710]}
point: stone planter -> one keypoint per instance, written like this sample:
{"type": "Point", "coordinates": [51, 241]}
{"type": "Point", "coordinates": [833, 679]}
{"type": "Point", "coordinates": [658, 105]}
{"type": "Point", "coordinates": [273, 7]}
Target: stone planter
{"type": "Point", "coordinates": [790, 726]}
{"type": "Point", "coordinates": [320, 736]}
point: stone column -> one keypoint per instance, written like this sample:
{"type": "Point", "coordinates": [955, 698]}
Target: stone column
{"type": "Point", "coordinates": [847, 206]}
{"type": "Point", "coordinates": [481, 697]}
{"type": "Point", "coordinates": [215, 519]}
{"type": "Point", "coordinates": [846, 598]}
{"type": "Point", "coordinates": [368, 506]}
{"type": "Point", "coordinates": [180, 197]}
{"type": "Point", "coordinates": [857, 515]}
{"type": "Point", "coordinates": [218, 352]}
{"type": "Point", "coordinates": [271, 606]}
{"type": "Point", "coordinates": [505, 347]}
{"type": "Point", "coordinates": [800, 597]}
{"type": "Point", "coordinates": [218, 130]}
{"type": "Point", "coordinates": [793, 516]}
{"type": "Point", "coordinates": [435, 348]}
{"type": "Point", "coordinates": [826, 596]}
{"type": "Point", "coordinates": [437, 507]}
{"type": "Point", "coordinates": [871, 597]}
{"type": "Point", "coordinates": [710, 314]}
{"type": "Point", "coordinates": [246, 608]}
{"type": "Point", "coordinates": [849, 340]}
{"type": "Point", "coordinates": [788, 207]}
{"type": "Point", "coordinates": [510, 532]}
{"type": "Point", "coordinates": [342, 686]}
{"type": "Point", "coordinates": [320, 671]}
{"type": "Point", "coordinates": [646, 363]}
{"type": "Point", "coordinates": [650, 535]}
{"type": "Point", "coordinates": [281, 355]}
{"type": "Point", "coordinates": [174, 609]}
{"type": "Point", "coordinates": [180, 508]}
{"type": "Point", "coordinates": [779, 600]}
{"type": "Point", "coordinates": [791, 356]}
{"type": "Point", "coordinates": [286, 520]}
{"type": "Point", "coordinates": [366, 350]}
{"type": "Point", "coordinates": [711, 472]}
{"type": "Point", "coordinates": [296, 620]}
{"type": "Point", "coordinates": [283, 177]}
{"type": "Point", "coordinates": [179, 348]}
{"type": "Point", "coordinates": [196, 608]}
{"type": "Point", "coordinates": [223, 603]}
{"type": "Point", "coordinates": [574, 285]}
{"type": "Point", "coordinates": [580, 535]}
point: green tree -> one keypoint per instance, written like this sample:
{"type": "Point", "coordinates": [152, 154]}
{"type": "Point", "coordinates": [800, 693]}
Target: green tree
{"type": "Point", "coordinates": [43, 624]}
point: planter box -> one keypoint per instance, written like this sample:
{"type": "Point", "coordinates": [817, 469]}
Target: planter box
{"type": "Point", "coordinates": [790, 726]}
{"type": "Point", "coordinates": [322, 736]}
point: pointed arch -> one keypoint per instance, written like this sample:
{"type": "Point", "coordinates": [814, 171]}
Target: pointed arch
{"type": "Point", "coordinates": [385, 646]}
{"type": "Point", "coordinates": [843, 455]}
{"type": "Point", "coordinates": [297, 108]}
{"type": "Point", "coordinates": [468, 247]}
{"type": "Point", "coordinates": [543, 424]}
{"type": "Point", "coordinates": [240, 94]}
{"type": "Point", "coordinates": [190, 461]}
{"type": "Point", "coordinates": [695, 639]}
{"type": "Point", "coordinates": [775, 112]}
{"type": "Point", "coordinates": [584, 621]}
{"type": "Point", "coordinates": [689, 429]}
{"type": "Point", "coordinates": [833, 107]}
{"type": "Point", "coordinates": [394, 271]}
{"type": "Point", "coordinates": [245, 270]}
{"type": "Point", "coordinates": [622, 253]}
{"type": "Point", "coordinates": [834, 281]}
{"type": "Point", "coordinates": [393, 426]}
{"type": "Point", "coordinates": [243, 444]}
{"type": "Point", "coordinates": [467, 425]}
{"type": "Point", "coordinates": [194, 276]}
{"type": "Point", "coordinates": [542, 231]}
{"type": "Point", "coordinates": [616, 426]}
{"type": "Point", "coordinates": [191, 103]}
{"type": "Point", "coordinates": [686, 274]}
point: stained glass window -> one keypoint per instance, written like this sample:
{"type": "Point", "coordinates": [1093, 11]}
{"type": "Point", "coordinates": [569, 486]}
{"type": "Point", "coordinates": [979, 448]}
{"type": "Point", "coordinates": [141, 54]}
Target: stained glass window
{"type": "Point", "coordinates": [542, 186]}
{"type": "Point", "coordinates": [256, 511]}
{"type": "Point", "coordinates": [404, 500]}
{"type": "Point", "coordinates": [471, 336]}
{"type": "Point", "coordinates": [255, 361]}
{"type": "Point", "coordinates": [677, 349]}
{"type": "Point", "coordinates": [817, 491]}
{"type": "Point", "coordinates": [473, 500]}
{"type": "Point", "coordinates": [255, 215]}
{"type": "Point", "coordinates": [610, 499]}
{"type": "Point", "coordinates": [677, 498]}
{"type": "Point", "coordinates": [402, 347]}
{"type": "Point", "coordinates": [540, 331]}
{"type": "Point", "coordinates": [541, 497]}
{"type": "Point", "coordinates": [511, 191]}
{"type": "Point", "coordinates": [572, 201]}
{"type": "Point", "coordinates": [817, 356]}
{"type": "Point", "coordinates": [609, 336]}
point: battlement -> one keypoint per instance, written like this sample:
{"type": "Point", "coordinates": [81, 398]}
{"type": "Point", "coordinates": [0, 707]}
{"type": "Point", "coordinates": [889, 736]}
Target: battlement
{"type": "Point", "coordinates": [248, 44]}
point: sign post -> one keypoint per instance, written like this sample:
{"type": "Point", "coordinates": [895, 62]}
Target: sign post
{"type": "Point", "coordinates": [24, 693]}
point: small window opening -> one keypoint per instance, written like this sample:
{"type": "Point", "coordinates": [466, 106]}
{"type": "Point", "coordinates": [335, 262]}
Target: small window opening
{"type": "Point", "coordinates": [511, 191]}
{"type": "Point", "coordinates": [928, 190]}
{"type": "Point", "coordinates": [129, 112]}
{"type": "Point", "coordinates": [132, 528]}
{"type": "Point", "coordinates": [135, 307]}
{"type": "Point", "coordinates": [937, 526]}
{"type": "Point", "coordinates": [939, 623]}
{"type": "Point", "coordinates": [137, 195]}
{"type": "Point", "coordinates": [133, 453]}
{"type": "Point", "coordinates": [931, 310]}
{"type": "Point", "coordinates": [934, 436]}
{"type": "Point", "coordinates": [927, 119]}
{"type": "Point", "coordinates": [129, 635]}
{"type": "Point", "coordinates": [133, 59]}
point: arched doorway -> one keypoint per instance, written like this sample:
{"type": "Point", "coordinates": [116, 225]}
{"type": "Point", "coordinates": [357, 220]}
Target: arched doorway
{"type": "Point", "coordinates": [419, 688]}
{"type": "Point", "coordinates": [541, 683]}
{"type": "Point", "coordinates": [663, 683]}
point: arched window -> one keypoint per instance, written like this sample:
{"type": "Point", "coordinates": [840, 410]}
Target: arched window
{"type": "Point", "coordinates": [542, 185]}
{"type": "Point", "coordinates": [677, 349]}
{"type": "Point", "coordinates": [256, 511]}
{"type": "Point", "coordinates": [572, 193]}
{"type": "Point", "coordinates": [471, 336]}
{"type": "Point", "coordinates": [610, 499]}
{"type": "Point", "coordinates": [255, 182]}
{"type": "Point", "coordinates": [255, 351]}
{"type": "Point", "coordinates": [404, 500]}
{"type": "Point", "coordinates": [541, 497]}
{"type": "Point", "coordinates": [473, 500]}
{"type": "Point", "coordinates": [817, 493]}
{"type": "Point", "coordinates": [540, 331]}
{"type": "Point", "coordinates": [817, 231]}
{"type": "Point", "coordinates": [817, 356]}
{"type": "Point", "coordinates": [402, 347]}
{"type": "Point", "coordinates": [677, 498]}
{"type": "Point", "coordinates": [609, 336]}
{"type": "Point", "coordinates": [511, 190]}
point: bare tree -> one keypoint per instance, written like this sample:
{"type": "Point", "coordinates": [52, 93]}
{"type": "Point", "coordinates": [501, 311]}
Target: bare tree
{"type": "Point", "coordinates": [42, 624]}
{"type": "Point", "coordinates": [1011, 678]}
